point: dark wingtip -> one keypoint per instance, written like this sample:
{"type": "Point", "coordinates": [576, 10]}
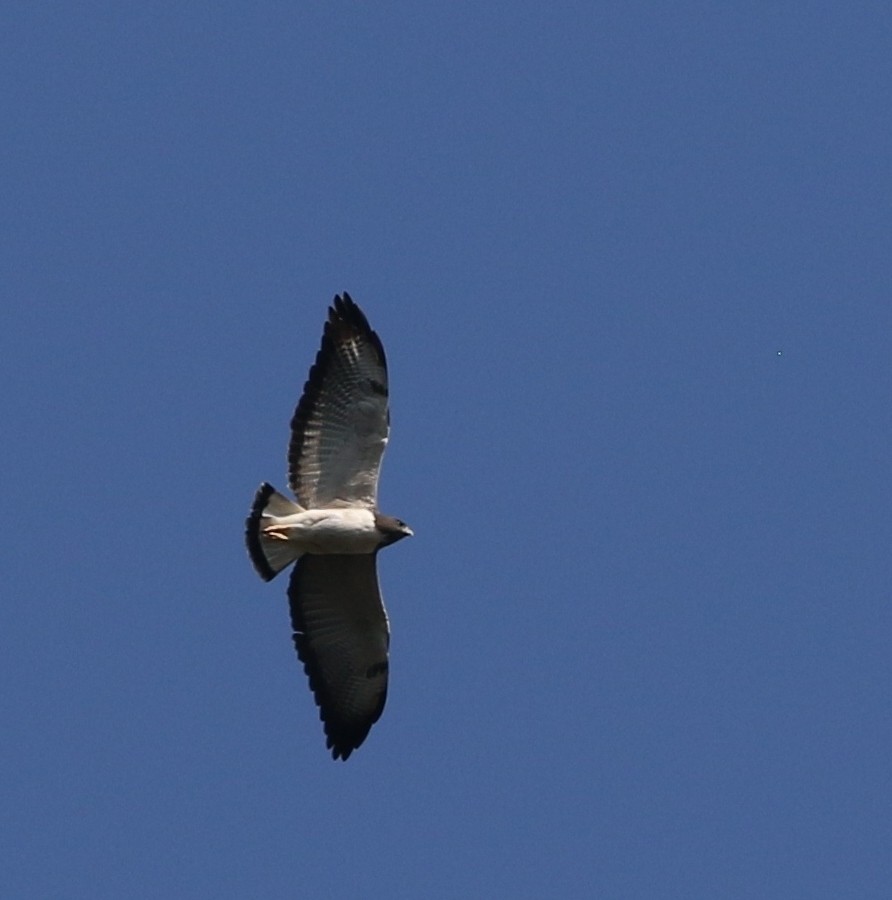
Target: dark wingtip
{"type": "Point", "coordinates": [342, 742]}
{"type": "Point", "coordinates": [344, 311]}
{"type": "Point", "coordinates": [341, 753]}
{"type": "Point", "coordinates": [341, 737]}
{"type": "Point", "coordinates": [345, 316]}
{"type": "Point", "coordinates": [252, 532]}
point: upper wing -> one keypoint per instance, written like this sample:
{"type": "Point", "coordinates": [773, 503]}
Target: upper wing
{"type": "Point", "coordinates": [341, 636]}
{"type": "Point", "coordinates": [339, 430]}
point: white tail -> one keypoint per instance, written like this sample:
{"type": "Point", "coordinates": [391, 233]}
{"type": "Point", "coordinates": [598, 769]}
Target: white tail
{"type": "Point", "coordinates": [269, 556]}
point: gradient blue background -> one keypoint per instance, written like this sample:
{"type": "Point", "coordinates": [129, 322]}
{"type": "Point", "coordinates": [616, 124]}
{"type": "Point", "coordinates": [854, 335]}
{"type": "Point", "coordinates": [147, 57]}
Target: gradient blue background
{"type": "Point", "coordinates": [631, 264]}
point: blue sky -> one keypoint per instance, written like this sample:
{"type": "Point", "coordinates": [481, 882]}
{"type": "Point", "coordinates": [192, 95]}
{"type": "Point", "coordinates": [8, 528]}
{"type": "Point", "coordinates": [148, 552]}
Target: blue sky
{"type": "Point", "coordinates": [631, 264]}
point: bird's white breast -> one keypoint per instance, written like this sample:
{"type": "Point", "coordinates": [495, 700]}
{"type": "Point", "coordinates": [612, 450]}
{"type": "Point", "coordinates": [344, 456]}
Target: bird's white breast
{"type": "Point", "coordinates": [330, 530]}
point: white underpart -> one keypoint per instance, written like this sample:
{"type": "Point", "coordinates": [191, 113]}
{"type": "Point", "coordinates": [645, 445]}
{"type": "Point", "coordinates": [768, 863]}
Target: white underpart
{"type": "Point", "coordinates": [324, 531]}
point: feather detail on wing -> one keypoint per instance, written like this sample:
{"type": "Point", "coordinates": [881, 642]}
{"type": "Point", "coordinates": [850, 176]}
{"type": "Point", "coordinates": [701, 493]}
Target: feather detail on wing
{"type": "Point", "coordinates": [340, 427]}
{"type": "Point", "coordinates": [341, 636]}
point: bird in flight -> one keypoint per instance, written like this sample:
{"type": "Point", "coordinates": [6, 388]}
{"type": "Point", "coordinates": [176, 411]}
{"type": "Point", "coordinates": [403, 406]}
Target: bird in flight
{"type": "Point", "coordinates": [333, 530]}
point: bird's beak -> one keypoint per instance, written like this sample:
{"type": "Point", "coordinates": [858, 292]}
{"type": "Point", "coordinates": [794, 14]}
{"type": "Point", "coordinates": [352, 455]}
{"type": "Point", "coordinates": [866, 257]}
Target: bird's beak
{"type": "Point", "coordinates": [409, 532]}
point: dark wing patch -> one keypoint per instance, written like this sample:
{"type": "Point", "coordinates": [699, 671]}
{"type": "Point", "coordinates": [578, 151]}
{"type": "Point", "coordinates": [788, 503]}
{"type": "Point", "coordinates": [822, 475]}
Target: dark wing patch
{"type": "Point", "coordinates": [340, 427]}
{"type": "Point", "coordinates": [341, 636]}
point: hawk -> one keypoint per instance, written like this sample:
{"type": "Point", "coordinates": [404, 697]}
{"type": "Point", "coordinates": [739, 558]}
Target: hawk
{"type": "Point", "coordinates": [334, 530]}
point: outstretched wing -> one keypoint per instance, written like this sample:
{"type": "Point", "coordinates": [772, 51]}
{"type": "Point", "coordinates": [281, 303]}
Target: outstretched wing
{"type": "Point", "coordinates": [340, 427]}
{"type": "Point", "coordinates": [341, 636]}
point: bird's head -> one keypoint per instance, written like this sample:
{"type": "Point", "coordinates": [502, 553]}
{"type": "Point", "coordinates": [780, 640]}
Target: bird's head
{"type": "Point", "coordinates": [391, 529]}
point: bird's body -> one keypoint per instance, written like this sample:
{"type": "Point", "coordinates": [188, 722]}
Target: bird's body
{"type": "Point", "coordinates": [334, 530]}
{"type": "Point", "coordinates": [324, 531]}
